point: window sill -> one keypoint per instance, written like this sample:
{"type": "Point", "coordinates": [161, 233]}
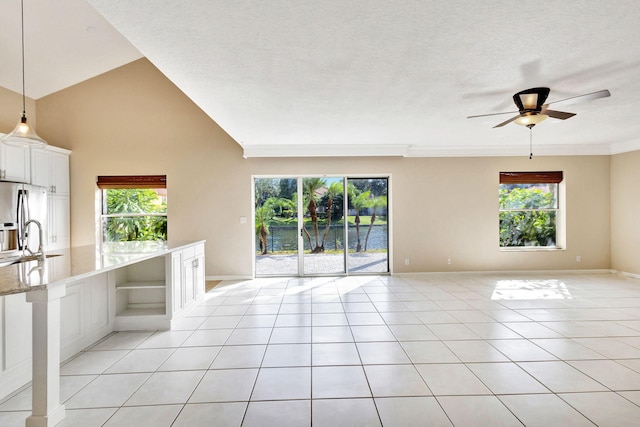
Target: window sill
{"type": "Point", "coordinates": [531, 249]}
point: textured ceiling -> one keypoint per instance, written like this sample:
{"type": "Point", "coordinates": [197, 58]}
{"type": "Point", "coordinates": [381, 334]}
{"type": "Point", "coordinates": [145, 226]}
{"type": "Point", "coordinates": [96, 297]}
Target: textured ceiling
{"type": "Point", "coordinates": [66, 42]}
{"type": "Point", "coordinates": [333, 78]}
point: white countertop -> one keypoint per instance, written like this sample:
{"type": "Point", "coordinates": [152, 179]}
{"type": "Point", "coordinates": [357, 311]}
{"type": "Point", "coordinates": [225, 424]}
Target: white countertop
{"type": "Point", "coordinates": [78, 262]}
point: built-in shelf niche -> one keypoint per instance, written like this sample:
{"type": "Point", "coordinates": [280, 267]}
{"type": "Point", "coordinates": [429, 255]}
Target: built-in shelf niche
{"type": "Point", "coordinates": [141, 289]}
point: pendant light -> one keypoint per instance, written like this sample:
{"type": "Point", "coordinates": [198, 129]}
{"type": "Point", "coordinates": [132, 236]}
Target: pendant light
{"type": "Point", "coordinates": [23, 134]}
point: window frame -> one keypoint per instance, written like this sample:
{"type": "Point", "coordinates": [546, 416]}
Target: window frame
{"type": "Point", "coordinates": [544, 178]}
{"type": "Point", "coordinates": [121, 182]}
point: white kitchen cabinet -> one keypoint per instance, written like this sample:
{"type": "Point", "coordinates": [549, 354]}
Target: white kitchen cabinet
{"type": "Point", "coordinates": [199, 276]}
{"type": "Point", "coordinates": [192, 274]}
{"type": "Point", "coordinates": [85, 315]}
{"type": "Point", "coordinates": [152, 293]}
{"type": "Point", "coordinates": [71, 315]}
{"type": "Point", "coordinates": [15, 342]}
{"type": "Point", "coordinates": [58, 222]}
{"type": "Point", "coordinates": [177, 303]}
{"type": "Point", "coordinates": [50, 169]}
{"type": "Point", "coordinates": [188, 281]}
{"type": "Point", "coordinates": [84, 319]}
{"type": "Point", "coordinates": [15, 163]}
{"type": "Point", "coordinates": [17, 329]}
{"type": "Point", "coordinates": [187, 278]}
{"type": "Point", "coordinates": [40, 168]}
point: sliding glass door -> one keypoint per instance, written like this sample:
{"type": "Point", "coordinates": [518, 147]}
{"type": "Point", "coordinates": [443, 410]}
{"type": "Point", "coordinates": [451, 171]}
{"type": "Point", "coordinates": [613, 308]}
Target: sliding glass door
{"type": "Point", "coordinates": [311, 226]}
{"type": "Point", "coordinates": [322, 226]}
{"type": "Point", "coordinates": [368, 227]}
{"type": "Point", "coordinates": [276, 226]}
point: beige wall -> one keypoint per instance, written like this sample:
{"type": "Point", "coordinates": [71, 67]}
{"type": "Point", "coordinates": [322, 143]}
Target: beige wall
{"type": "Point", "coordinates": [447, 208]}
{"type": "Point", "coordinates": [134, 121]}
{"type": "Point", "coordinates": [625, 212]}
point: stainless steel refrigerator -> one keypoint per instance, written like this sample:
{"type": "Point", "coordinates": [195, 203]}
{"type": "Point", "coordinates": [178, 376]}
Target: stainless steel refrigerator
{"type": "Point", "coordinates": [20, 203]}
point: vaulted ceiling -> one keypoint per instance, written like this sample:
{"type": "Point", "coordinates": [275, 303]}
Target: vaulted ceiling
{"type": "Point", "coordinates": [365, 78]}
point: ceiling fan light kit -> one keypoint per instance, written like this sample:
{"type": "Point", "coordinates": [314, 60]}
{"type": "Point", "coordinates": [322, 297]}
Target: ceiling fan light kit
{"type": "Point", "coordinates": [531, 100]}
{"type": "Point", "coordinates": [530, 120]}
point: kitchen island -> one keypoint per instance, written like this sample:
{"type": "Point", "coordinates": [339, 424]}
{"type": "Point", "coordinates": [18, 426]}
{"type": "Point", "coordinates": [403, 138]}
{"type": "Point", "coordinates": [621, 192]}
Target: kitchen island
{"type": "Point", "coordinates": [79, 295]}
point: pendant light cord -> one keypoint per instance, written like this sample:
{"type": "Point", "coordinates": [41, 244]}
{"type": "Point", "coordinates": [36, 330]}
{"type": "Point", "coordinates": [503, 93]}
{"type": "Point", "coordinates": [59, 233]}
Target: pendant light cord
{"type": "Point", "coordinates": [23, 135]}
{"type": "Point", "coordinates": [24, 102]}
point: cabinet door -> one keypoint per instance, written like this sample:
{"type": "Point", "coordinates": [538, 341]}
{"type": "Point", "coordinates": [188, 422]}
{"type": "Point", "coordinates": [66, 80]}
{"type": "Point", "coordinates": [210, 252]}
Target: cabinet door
{"type": "Point", "coordinates": [98, 302]}
{"type": "Point", "coordinates": [59, 173]}
{"type": "Point", "coordinates": [51, 170]}
{"type": "Point", "coordinates": [14, 163]}
{"type": "Point", "coordinates": [199, 275]}
{"type": "Point", "coordinates": [72, 323]}
{"type": "Point", "coordinates": [40, 168]}
{"type": "Point", "coordinates": [58, 233]}
{"type": "Point", "coordinates": [188, 281]}
{"type": "Point", "coordinates": [176, 282]}
{"type": "Point", "coordinates": [17, 330]}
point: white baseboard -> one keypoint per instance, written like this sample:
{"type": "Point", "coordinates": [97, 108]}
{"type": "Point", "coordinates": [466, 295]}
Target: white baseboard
{"type": "Point", "coordinates": [228, 278]}
{"type": "Point", "coordinates": [592, 271]}
{"type": "Point", "coordinates": [626, 274]}
{"type": "Point", "coordinates": [416, 273]}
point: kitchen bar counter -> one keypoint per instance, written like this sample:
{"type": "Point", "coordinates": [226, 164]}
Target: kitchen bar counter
{"type": "Point", "coordinates": [64, 266]}
{"type": "Point", "coordinates": [180, 264]}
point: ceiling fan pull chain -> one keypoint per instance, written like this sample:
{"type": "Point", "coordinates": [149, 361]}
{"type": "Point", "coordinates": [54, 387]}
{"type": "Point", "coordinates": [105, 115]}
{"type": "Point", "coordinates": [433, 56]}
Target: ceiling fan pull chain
{"type": "Point", "coordinates": [531, 143]}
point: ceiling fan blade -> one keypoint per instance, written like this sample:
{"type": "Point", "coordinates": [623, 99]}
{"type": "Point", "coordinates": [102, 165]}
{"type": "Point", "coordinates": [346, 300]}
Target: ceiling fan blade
{"type": "Point", "coordinates": [506, 122]}
{"type": "Point", "coordinates": [581, 98]}
{"type": "Point", "coordinates": [491, 114]}
{"type": "Point", "coordinates": [562, 115]}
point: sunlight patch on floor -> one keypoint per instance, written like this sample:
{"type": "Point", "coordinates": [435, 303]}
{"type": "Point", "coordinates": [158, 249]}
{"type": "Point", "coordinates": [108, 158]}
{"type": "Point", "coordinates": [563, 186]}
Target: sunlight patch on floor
{"type": "Point", "coordinates": [530, 290]}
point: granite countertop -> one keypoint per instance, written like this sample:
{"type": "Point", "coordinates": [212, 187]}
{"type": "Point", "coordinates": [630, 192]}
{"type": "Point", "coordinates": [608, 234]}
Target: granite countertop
{"type": "Point", "coordinates": [67, 265]}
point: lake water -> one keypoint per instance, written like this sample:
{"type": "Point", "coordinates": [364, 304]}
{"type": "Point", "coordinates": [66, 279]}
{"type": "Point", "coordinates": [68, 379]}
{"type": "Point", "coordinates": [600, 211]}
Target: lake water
{"type": "Point", "coordinates": [286, 238]}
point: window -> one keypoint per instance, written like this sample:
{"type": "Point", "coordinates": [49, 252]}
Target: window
{"type": "Point", "coordinates": [133, 208]}
{"type": "Point", "coordinates": [529, 209]}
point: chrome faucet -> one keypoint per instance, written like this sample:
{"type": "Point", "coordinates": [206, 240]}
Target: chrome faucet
{"type": "Point", "coordinates": [40, 252]}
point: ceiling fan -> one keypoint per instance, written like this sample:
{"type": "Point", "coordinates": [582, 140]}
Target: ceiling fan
{"type": "Point", "coordinates": [532, 109]}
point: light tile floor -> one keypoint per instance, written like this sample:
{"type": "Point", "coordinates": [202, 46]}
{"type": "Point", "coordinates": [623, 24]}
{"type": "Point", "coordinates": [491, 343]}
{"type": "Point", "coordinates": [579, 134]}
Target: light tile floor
{"type": "Point", "coordinates": [419, 350]}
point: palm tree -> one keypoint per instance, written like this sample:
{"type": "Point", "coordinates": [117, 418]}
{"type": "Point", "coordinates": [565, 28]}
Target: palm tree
{"type": "Point", "coordinates": [311, 186]}
{"type": "Point", "coordinates": [263, 215]}
{"type": "Point", "coordinates": [377, 202]}
{"type": "Point", "coordinates": [359, 202]}
{"type": "Point", "coordinates": [334, 189]}
{"type": "Point", "coordinates": [281, 205]}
